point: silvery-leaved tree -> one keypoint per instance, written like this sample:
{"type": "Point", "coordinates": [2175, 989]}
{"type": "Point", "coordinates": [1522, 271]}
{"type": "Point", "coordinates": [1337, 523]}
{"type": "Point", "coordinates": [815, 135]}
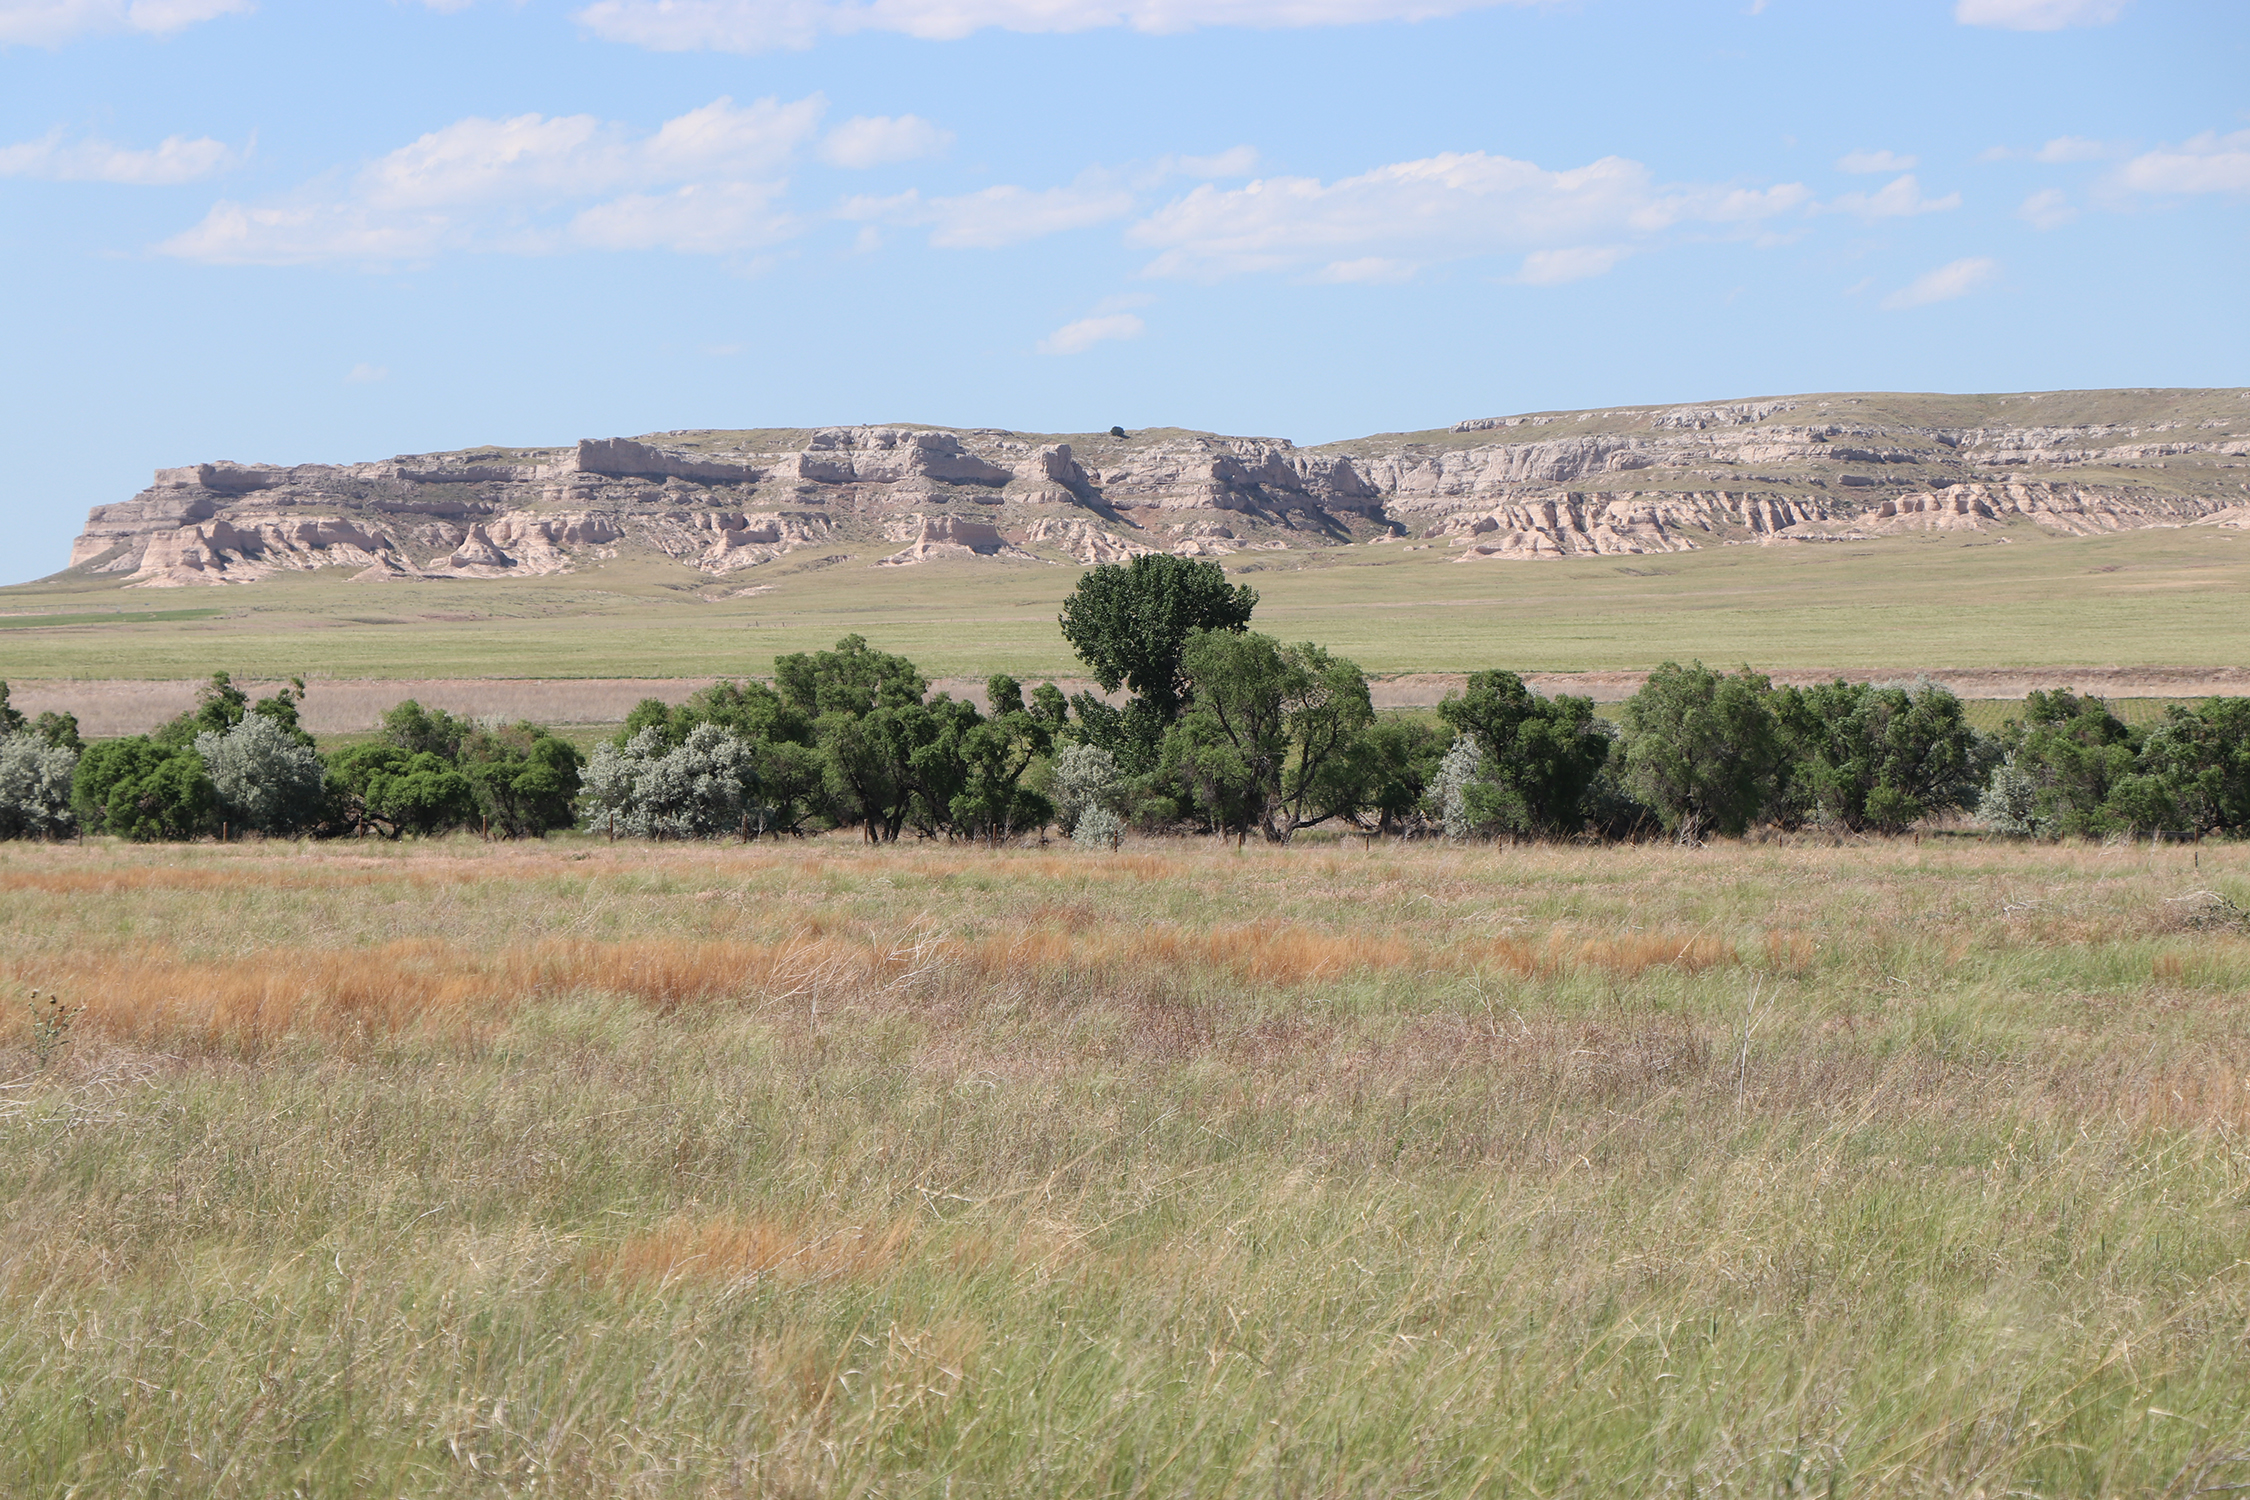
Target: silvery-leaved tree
{"type": "Point", "coordinates": [705, 787]}
{"type": "Point", "coordinates": [266, 779]}
{"type": "Point", "coordinates": [35, 778]}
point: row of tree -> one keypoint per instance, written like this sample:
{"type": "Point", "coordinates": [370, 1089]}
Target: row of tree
{"type": "Point", "coordinates": [1221, 729]}
{"type": "Point", "coordinates": [231, 766]}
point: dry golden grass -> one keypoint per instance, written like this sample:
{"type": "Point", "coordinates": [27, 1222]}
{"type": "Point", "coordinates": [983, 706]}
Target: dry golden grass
{"type": "Point", "coordinates": [813, 1169]}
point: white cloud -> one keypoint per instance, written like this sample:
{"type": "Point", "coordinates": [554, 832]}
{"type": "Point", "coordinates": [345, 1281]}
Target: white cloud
{"type": "Point", "coordinates": [1438, 208]}
{"type": "Point", "coordinates": [50, 23]}
{"type": "Point", "coordinates": [699, 219]}
{"type": "Point", "coordinates": [874, 140]}
{"type": "Point", "coordinates": [1955, 279]}
{"type": "Point", "coordinates": [1554, 267]}
{"type": "Point", "coordinates": [1078, 337]}
{"type": "Point", "coordinates": [2072, 148]}
{"type": "Point", "coordinates": [1899, 198]}
{"type": "Point", "coordinates": [703, 182]}
{"type": "Point", "coordinates": [998, 216]}
{"type": "Point", "coordinates": [176, 159]}
{"type": "Point", "coordinates": [2047, 209]}
{"type": "Point", "coordinates": [2210, 163]}
{"type": "Point", "coordinates": [2037, 15]}
{"type": "Point", "coordinates": [1368, 270]}
{"type": "Point", "coordinates": [762, 25]}
{"type": "Point", "coordinates": [1875, 161]}
{"type": "Point", "coordinates": [537, 158]}
{"type": "Point", "coordinates": [366, 374]}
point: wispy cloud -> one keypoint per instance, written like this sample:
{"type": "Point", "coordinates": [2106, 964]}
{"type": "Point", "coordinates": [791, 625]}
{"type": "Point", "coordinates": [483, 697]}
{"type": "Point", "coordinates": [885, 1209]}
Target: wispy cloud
{"type": "Point", "coordinates": [1875, 161]}
{"type": "Point", "coordinates": [174, 160]}
{"type": "Point", "coordinates": [704, 182]}
{"type": "Point", "coordinates": [1078, 337]}
{"type": "Point", "coordinates": [761, 25]}
{"type": "Point", "coordinates": [999, 216]}
{"type": "Point", "coordinates": [1368, 270]}
{"type": "Point", "coordinates": [2048, 208]}
{"type": "Point", "coordinates": [1899, 198]}
{"type": "Point", "coordinates": [1439, 208]}
{"type": "Point", "coordinates": [50, 23]}
{"type": "Point", "coordinates": [1954, 279]}
{"type": "Point", "coordinates": [2210, 163]}
{"type": "Point", "coordinates": [366, 374]}
{"type": "Point", "coordinates": [2037, 15]}
{"type": "Point", "coordinates": [2073, 148]}
{"type": "Point", "coordinates": [878, 140]}
{"type": "Point", "coordinates": [1554, 267]}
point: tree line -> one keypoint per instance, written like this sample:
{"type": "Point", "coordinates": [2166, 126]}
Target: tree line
{"type": "Point", "coordinates": [1221, 730]}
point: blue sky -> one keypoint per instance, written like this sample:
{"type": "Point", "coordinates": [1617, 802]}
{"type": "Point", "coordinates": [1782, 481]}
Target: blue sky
{"type": "Point", "coordinates": [285, 231]}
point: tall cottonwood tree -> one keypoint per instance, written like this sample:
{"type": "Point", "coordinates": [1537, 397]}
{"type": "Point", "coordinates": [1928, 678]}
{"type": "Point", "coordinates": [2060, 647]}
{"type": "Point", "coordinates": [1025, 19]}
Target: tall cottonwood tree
{"type": "Point", "coordinates": [1130, 624]}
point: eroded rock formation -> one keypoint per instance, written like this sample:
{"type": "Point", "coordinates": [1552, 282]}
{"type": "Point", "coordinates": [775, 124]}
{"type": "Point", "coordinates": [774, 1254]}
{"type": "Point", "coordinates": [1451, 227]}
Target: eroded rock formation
{"type": "Point", "coordinates": [1543, 485]}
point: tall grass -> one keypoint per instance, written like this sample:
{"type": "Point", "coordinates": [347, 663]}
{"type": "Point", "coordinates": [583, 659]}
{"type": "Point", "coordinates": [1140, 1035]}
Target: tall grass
{"type": "Point", "coordinates": [1319, 1171]}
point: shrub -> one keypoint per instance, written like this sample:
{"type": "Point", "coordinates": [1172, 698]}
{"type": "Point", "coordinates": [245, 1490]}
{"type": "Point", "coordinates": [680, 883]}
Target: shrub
{"type": "Point", "coordinates": [1084, 777]}
{"type": "Point", "coordinates": [1098, 828]}
{"type": "Point", "coordinates": [704, 787]}
{"type": "Point", "coordinates": [1456, 773]}
{"type": "Point", "coordinates": [35, 783]}
{"type": "Point", "coordinates": [264, 777]}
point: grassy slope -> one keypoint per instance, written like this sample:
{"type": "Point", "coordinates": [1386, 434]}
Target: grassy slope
{"type": "Point", "coordinates": [592, 1170]}
{"type": "Point", "coordinates": [2162, 597]}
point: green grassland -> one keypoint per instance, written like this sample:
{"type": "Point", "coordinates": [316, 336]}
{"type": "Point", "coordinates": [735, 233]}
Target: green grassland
{"type": "Point", "coordinates": [578, 1169]}
{"type": "Point", "coordinates": [2018, 597]}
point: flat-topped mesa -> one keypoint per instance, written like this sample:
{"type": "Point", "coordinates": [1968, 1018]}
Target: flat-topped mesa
{"type": "Point", "coordinates": [1544, 485]}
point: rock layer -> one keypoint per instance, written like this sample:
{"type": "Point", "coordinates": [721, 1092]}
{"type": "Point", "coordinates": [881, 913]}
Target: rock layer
{"type": "Point", "coordinates": [1543, 485]}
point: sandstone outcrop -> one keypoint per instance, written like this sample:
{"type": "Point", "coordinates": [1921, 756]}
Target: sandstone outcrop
{"type": "Point", "coordinates": [1540, 485]}
{"type": "Point", "coordinates": [949, 536]}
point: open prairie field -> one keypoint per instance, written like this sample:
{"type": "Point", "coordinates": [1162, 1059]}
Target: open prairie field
{"type": "Point", "coordinates": [2018, 598]}
{"type": "Point", "coordinates": [1335, 1170]}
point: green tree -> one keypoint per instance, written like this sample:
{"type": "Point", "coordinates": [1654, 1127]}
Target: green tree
{"type": "Point", "coordinates": [1130, 624]}
{"type": "Point", "coordinates": [853, 679]}
{"type": "Point", "coordinates": [1271, 734]}
{"type": "Point", "coordinates": [1701, 749]}
{"type": "Point", "coordinates": [395, 791]}
{"type": "Point", "coordinates": [1390, 771]}
{"type": "Point", "coordinates": [993, 803]}
{"type": "Point", "coordinates": [1862, 757]}
{"type": "Point", "coordinates": [525, 779]}
{"type": "Point", "coordinates": [2065, 757]}
{"type": "Point", "coordinates": [1539, 755]}
{"type": "Point", "coordinates": [424, 731]}
{"type": "Point", "coordinates": [143, 788]}
{"type": "Point", "coordinates": [2200, 759]}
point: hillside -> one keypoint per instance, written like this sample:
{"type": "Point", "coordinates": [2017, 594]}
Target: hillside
{"type": "Point", "coordinates": [1630, 480]}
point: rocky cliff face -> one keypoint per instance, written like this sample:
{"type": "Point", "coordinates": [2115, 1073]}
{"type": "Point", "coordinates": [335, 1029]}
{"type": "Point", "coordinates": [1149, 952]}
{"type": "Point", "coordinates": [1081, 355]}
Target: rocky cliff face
{"type": "Point", "coordinates": [1555, 484]}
